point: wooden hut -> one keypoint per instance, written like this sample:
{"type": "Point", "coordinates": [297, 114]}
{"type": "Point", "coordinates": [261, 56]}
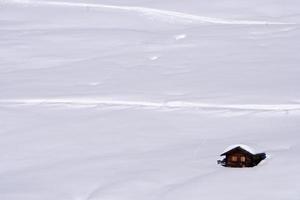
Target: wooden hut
{"type": "Point", "coordinates": [241, 156]}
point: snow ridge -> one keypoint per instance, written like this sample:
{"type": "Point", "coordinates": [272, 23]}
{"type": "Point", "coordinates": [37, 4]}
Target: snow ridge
{"type": "Point", "coordinates": [152, 104]}
{"type": "Point", "coordinates": [165, 15]}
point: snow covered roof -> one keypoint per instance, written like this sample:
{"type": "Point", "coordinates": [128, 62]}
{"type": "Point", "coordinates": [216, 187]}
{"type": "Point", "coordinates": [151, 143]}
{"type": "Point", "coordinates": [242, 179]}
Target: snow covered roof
{"type": "Point", "coordinates": [243, 146]}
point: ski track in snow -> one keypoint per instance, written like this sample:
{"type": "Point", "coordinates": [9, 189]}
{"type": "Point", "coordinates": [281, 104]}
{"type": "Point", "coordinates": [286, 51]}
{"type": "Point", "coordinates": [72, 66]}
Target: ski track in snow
{"type": "Point", "coordinates": [165, 15]}
{"type": "Point", "coordinates": [81, 102]}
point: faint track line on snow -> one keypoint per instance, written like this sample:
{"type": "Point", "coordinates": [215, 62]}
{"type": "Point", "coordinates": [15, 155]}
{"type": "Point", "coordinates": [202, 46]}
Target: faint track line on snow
{"type": "Point", "coordinates": [166, 15]}
{"type": "Point", "coordinates": [82, 102]}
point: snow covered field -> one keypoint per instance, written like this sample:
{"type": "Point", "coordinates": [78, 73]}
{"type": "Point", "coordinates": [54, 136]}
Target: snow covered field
{"type": "Point", "coordinates": [136, 99]}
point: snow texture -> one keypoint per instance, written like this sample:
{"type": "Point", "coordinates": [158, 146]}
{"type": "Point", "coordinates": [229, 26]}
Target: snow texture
{"type": "Point", "coordinates": [136, 99]}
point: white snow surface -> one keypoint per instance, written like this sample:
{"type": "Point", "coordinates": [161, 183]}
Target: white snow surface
{"type": "Point", "coordinates": [136, 99]}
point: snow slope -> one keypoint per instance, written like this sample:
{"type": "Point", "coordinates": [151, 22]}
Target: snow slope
{"type": "Point", "coordinates": [136, 99]}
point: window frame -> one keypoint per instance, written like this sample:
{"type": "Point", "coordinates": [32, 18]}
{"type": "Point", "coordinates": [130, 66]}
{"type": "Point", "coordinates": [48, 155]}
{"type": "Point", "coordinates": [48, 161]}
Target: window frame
{"type": "Point", "coordinates": [234, 158]}
{"type": "Point", "coordinates": [243, 158]}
